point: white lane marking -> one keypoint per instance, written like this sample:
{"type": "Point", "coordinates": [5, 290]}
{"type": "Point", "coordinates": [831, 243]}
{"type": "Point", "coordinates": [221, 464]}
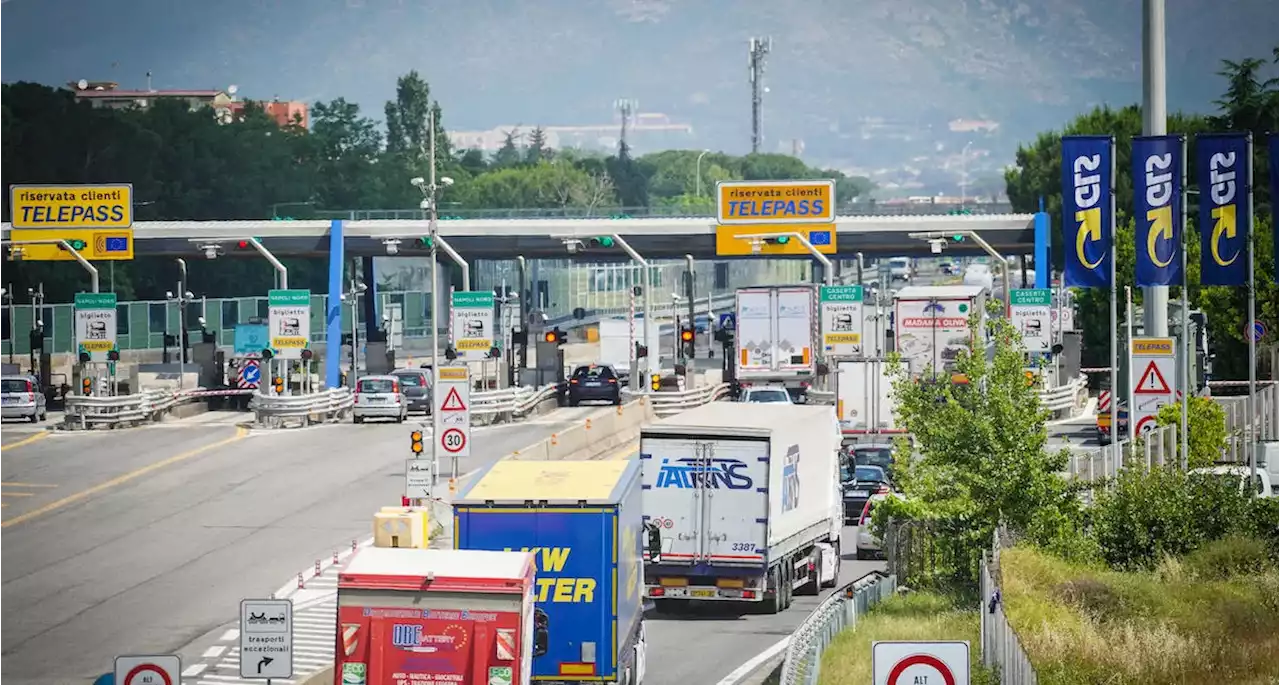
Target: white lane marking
{"type": "Point", "coordinates": [194, 670]}
{"type": "Point", "coordinates": [214, 651]}
{"type": "Point", "coordinates": [230, 635]}
{"type": "Point", "coordinates": [744, 670]}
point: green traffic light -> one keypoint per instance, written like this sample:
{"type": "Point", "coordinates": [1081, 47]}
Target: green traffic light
{"type": "Point", "coordinates": [605, 241]}
{"type": "Point", "coordinates": [782, 240]}
{"type": "Point", "coordinates": [78, 245]}
{"type": "Point", "coordinates": [957, 237]}
{"type": "Point", "coordinates": [425, 241]}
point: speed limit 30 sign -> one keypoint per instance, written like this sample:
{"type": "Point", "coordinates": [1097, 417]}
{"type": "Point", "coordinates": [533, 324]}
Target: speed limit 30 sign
{"type": "Point", "coordinates": [451, 410]}
{"type": "Point", "coordinates": [453, 441]}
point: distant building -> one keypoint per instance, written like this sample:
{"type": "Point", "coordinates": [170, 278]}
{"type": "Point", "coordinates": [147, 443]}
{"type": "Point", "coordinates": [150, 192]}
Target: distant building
{"type": "Point", "coordinates": [225, 104]}
{"type": "Point", "coordinates": [646, 131]}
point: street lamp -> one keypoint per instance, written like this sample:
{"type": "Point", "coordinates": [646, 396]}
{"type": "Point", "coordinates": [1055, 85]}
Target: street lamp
{"type": "Point", "coordinates": [353, 296]}
{"type": "Point", "coordinates": [757, 244]}
{"type": "Point", "coordinates": [986, 247]}
{"type": "Point", "coordinates": [697, 166]}
{"type": "Point", "coordinates": [212, 248]}
{"type": "Point", "coordinates": [182, 299]}
{"type": "Point", "coordinates": [84, 263]}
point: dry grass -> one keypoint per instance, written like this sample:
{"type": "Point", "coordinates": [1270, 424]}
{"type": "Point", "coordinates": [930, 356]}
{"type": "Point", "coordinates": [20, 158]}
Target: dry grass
{"type": "Point", "coordinates": [1172, 625]}
{"type": "Point", "coordinates": [915, 616]}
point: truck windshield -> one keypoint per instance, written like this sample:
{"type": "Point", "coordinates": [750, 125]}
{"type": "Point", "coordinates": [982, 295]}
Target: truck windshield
{"type": "Point", "coordinates": [772, 396]}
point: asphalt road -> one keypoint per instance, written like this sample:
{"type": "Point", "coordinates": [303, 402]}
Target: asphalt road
{"type": "Point", "coordinates": [143, 541]}
{"type": "Point", "coordinates": [706, 645]}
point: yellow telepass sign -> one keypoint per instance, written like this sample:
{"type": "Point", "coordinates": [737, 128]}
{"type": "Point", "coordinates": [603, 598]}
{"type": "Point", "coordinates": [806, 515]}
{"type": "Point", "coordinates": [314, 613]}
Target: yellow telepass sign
{"type": "Point", "coordinates": [83, 206]}
{"type": "Point", "coordinates": [1153, 347]}
{"type": "Point", "coordinates": [730, 243]}
{"type": "Point", "coordinates": [775, 202]}
{"type": "Point", "coordinates": [95, 245]}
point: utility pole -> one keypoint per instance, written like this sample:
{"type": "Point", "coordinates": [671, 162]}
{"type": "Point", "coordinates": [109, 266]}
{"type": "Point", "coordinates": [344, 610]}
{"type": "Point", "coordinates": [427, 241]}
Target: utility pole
{"type": "Point", "coordinates": [758, 49]}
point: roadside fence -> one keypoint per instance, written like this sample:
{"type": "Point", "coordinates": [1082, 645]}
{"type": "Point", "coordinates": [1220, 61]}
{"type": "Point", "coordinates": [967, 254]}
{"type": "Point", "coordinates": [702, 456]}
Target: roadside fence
{"type": "Point", "coordinates": [803, 660]}
{"type": "Point", "coordinates": [1001, 648]}
{"type": "Point", "coordinates": [668, 403]}
{"type": "Point", "coordinates": [931, 554]}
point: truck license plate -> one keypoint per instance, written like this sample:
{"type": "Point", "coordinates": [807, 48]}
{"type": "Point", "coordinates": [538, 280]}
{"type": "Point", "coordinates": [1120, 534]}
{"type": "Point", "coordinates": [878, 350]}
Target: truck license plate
{"type": "Point", "coordinates": [859, 493]}
{"type": "Point", "coordinates": [702, 593]}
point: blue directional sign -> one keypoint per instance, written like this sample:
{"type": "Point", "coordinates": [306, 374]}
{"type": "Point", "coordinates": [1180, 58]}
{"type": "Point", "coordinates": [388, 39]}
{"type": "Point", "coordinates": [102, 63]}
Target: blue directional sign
{"type": "Point", "coordinates": [1257, 330]}
{"type": "Point", "coordinates": [106, 679]}
{"type": "Point", "coordinates": [251, 374]}
{"type": "Point", "coordinates": [728, 321]}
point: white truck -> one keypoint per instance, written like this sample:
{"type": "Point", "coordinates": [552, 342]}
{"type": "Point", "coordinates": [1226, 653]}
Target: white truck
{"type": "Point", "coordinates": [742, 503]}
{"type": "Point", "coordinates": [864, 397]}
{"type": "Point", "coordinates": [617, 338]}
{"type": "Point", "coordinates": [931, 323]}
{"type": "Point", "coordinates": [777, 335]}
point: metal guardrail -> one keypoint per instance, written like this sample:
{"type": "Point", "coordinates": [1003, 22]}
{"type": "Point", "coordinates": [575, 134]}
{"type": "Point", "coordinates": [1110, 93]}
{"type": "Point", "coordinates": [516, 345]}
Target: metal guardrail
{"type": "Point", "coordinates": [510, 403]}
{"type": "Point", "coordinates": [841, 610]}
{"type": "Point", "coordinates": [276, 411]}
{"type": "Point", "coordinates": [1071, 396]}
{"type": "Point", "coordinates": [1000, 645]}
{"type": "Point", "coordinates": [97, 410]}
{"type": "Point", "coordinates": [668, 403]}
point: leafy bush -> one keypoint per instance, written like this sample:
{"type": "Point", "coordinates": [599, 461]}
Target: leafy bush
{"type": "Point", "coordinates": [1206, 425]}
{"type": "Point", "coordinates": [1234, 555]}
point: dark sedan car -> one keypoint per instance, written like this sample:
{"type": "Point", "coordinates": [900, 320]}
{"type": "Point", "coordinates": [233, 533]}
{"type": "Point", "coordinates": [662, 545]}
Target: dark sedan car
{"type": "Point", "coordinates": [416, 385]}
{"type": "Point", "coordinates": [859, 485]}
{"type": "Point", "coordinates": [594, 383]}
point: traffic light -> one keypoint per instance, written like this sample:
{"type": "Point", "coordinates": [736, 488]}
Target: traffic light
{"type": "Point", "coordinates": [307, 354]}
{"type": "Point", "coordinates": [278, 384]}
{"type": "Point", "coordinates": [957, 238]}
{"type": "Point", "coordinates": [450, 353]}
{"type": "Point", "coordinates": [76, 245]}
{"type": "Point", "coordinates": [602, 241]}
{"type": "Point", "coordinates": [426, 242]}
{"type": "Point", "coordinates": [84, 357]}
{"type": "Point", "coordinates": [113, 356]}
{"type": "Point", "coordinates": [780, 240]}
{"type": "Point", "coordinates": [642, 351]}
{"type": "Point", "coordinates": [519, 336]}
{"type": "Point", "coordinates": [655, 381]}
{"type": "Point", "coordinates": [686, 339]}
{"type": "Point", "coordinates": [245, 245]}
{"type": "Point", "coordinates": [556, 336]}
{"type": "Point", "coordinates": [495, 353]}
{"type": "Point", "coordinates": [415, 442]}
{"type": "Point", "coordinates": [86, 386]}
{"type": "Point", "coordinates": [267, 353]}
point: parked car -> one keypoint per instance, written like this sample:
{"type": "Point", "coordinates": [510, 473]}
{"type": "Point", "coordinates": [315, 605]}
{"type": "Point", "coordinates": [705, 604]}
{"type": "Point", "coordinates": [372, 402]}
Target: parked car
{"type": "Point", "coordinates": [769, 394]}
{"type": "Point", "coordinates": [596, 382]}
{"type": "Point", "coordinates": [868, 546]}
{"type": "Point", "coordinates": [379, 397]}
{"type": "Point", "coordinates": [22, 398]}
{"type": "Point", "coordinates": [1261, 482]}
{"type": "Point", "coordinates": [416, 385]}
{"type": "Point", "coordinates": [861, 483]}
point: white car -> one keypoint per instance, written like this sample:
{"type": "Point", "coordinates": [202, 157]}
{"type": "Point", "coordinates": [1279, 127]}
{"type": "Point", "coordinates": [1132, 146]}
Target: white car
{"type": "Point", "coordinates": [900, 269]}
{"type": "Point", "coordinates": [769, 394]}
{"type": "Point", "coordinates": [1261, 483]}
{"type": "Point", "coordinates": [980, 275]}
{"type": "Point", "coordinates": [868, 545]}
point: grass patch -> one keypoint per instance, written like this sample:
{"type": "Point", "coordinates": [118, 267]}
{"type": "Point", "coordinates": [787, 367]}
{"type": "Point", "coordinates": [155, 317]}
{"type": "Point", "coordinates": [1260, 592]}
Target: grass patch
{"type": "Point", "coordinates": [1187, 621]}
{"type": "Point", "coordinates": [913, 616]}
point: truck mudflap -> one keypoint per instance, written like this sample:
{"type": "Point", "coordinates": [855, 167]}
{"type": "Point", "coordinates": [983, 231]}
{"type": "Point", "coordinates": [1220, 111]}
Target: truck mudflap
{"type": "Point", "coordinates": [401, 646]}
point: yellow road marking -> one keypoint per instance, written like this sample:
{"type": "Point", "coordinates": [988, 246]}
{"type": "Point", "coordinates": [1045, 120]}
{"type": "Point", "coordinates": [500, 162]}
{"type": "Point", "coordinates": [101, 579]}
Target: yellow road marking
{"type": "Point", "coordinates": [27, 485]}
{"type": "Point", "coordinates": [25, 441]}
{"type": "Point", "coordinates": [16, 494]}
{"type": "Point", "coordinates": [241, 433]}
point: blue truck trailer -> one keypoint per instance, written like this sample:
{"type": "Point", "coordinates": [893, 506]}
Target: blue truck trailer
{"type": "Point", "coordinates": [582, 520]}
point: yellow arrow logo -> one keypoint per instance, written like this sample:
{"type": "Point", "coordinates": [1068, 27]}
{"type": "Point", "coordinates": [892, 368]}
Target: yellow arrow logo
{"type": "Point", "coordinates": [1224, 224]}
{"type": "Point", "coordinates": [1161, 219]}
{"type": "Point", "coordinates": [1090, 221]}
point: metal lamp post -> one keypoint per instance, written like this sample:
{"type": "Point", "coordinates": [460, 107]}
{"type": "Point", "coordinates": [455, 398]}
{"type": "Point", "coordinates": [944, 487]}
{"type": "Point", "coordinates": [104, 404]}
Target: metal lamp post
{"type": "Point", "coordinates": [828, 272]}
{"type": "Point", "coordinates": [84, 263]}
{"type": "Point", "coordinates": [986, 247]}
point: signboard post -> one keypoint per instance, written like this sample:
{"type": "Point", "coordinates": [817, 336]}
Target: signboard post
{"type": "Point", "coordinates": [148, 670]}
{"type": "Point", "coordinates": [451, 415]}
{"type": "Point", "coordinates": [1031, 312]}
{"type": "Point", "coordinates": [266, 638]}
{"type": "Point", "coordinates": [289, 320]}
{"type": "Point", "coordinates": [1153, 364]}
{"type": "Point", "coordinates": [96, 324]}
{"type": "Point", "coordinates": [842, 320]}
{"type": "Point", "coordinates": [418, 478]}
{"type": "Point", "coordinates": [909, 663]}
{"type": "Point", "coordinates": [472, 324]}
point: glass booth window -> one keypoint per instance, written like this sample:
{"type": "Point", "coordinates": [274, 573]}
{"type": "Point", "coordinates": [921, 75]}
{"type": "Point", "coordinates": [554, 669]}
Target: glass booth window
{"type": "Point", "coordinates": [230, 313]}
{"type": "Point", "coordinates": [122, 319]}
{"type": "Point", "coordinates": [157, 317]}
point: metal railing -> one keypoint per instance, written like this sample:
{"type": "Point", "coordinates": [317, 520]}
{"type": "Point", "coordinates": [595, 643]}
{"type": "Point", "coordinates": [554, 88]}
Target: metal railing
{"type": "Point", "coordinates": [1001, 648]}
{"type": "Point", "coordinates": [510, 403]}
{"type": "Point", "coordinates": [279, 411]}
{"type": "Point", "coordinates": [668, 403]}
{"type": "Point", "coordinates": [803, 659]}
{"type": "Point", "coordinates": [1157, 448]}
{"type": "Point", "coordinates": [84, 411]}
{"type": "Point", "coordinates": [1071, 396]}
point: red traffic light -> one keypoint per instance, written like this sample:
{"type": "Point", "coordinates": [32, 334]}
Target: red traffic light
{"type": "Point", "coordinates": [242, 245]}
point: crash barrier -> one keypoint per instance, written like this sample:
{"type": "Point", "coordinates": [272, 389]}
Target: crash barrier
{"type": "Point", "coordinates": [509, 404]}
{"type": "Point", "coordinates": [1001, 647]}
{"type": "Point", "coordinates": [667, 403]}
{"type": "Point", "coordinates": [1068, 398]}
{"type": "Point", "coordinates": [85, 411]}
{"type": "Point", "coordinates": [280, 411]}
{"type": "Point", "coordinates": [596, 436]}
{"type": "Point", "coordinates": [803, 659]}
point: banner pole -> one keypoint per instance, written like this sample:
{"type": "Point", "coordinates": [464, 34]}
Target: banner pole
{"type": "Point", "coordinates": [1115, 325]}
{"type": "Point", "coordinates": [1128, 366]}
{"type": "Point", "coordinates": [1188, 352]}
{"type": "Point", "coordinates": [1252, 315]}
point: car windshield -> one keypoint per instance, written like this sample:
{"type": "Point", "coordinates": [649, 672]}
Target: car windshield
{"type": "Point", "coordinates": [868, 474]}
{"type": "Point", "coordinates": [873, 456]}
{"type": "Point", "coordinates": [412, 379]}
{"type": "Point", "coordinates": [16, 385]}
{"type": "Point", "coordinates": [773, 395]}
{"type": "Point", "coordinates": [603, 373]}
{"type": "Point", "coordinates": [377, 385]}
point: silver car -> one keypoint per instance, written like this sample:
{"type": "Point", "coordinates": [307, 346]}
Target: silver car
{"type": "Point", "coordinates": [380, 397]}
{"type": "Point", "coordinates": [22, 398]}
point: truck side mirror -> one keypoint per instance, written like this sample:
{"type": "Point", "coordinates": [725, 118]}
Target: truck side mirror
{"type": "Point", "coordinates": [541, 634]}
{"type": "Point", "coordinates": [654, 543]}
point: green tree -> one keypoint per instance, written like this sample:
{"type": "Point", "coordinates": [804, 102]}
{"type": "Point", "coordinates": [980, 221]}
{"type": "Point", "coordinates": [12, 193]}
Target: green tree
{"type": "Point", "coordinates": [1206, 428]}
{"type": "Point", "coordinates": [509, 154]}
{"type": "Point", "coordinates": [537, 150]}
{"type": "Point", "coordinates": [347, 145]}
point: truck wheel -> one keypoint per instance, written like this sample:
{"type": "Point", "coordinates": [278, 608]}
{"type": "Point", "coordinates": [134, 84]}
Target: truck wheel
{"type": "Point", "coordinates": [775, 579]}
{"type": "Point", "coordinates": [835, 577]}
{"type": "Point", "coordinates": [787, 576]}
{"type": "Point", "coordinates": [812, 578]}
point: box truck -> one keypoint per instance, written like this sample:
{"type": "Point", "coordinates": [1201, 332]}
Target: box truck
{"type": "Point", "coordinates": [617, 339]}
{"type": "Point", "coordinates": [864, 397]}
{"type": "Point", "coordinates": [931, 324]}
{"type": "Point", "coordinates": [776, 335]}
{"type": "Point", "coordinates": [581, 520]}
{"type": "Point", "coordinates": [435, 616]}
{"type": "Point", "coordinates": [742, 503]}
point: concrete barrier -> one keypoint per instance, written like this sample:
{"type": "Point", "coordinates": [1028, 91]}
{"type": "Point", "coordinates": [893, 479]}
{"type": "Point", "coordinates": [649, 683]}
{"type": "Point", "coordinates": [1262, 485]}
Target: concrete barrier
{"type": "Point", "coordinates": [595, 437]}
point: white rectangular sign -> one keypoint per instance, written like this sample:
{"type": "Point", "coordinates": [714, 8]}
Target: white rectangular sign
{"type": "Point", "coordinates": [96, 324]}
{"type": "Point", "coordinates": [907, 663]}
{"type": "Point", "coordinates": [842, 320]}
{"type": "Point", "coordinates": [289, 322]}
{"type": "Point", "coordinates": [472, 324]}
{"type": "Point", "coordinates": [931, 333]}
{"type": "Point", "coordinates": [451, 410]}
{"type": "Point", "coordinates": [1031, 312]}
{"type": "Point", "coordinates": [266, 638]}
{"type": "Point", "coordinates": [1153, 365]}
{"type": "Point", "coordinates": [418, 478]}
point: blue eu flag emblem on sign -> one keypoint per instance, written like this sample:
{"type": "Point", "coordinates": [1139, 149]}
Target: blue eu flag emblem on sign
{"type": "Point", "coordinates": [117, 245]}
{"type": "Point", "coordinates": [819, 238]}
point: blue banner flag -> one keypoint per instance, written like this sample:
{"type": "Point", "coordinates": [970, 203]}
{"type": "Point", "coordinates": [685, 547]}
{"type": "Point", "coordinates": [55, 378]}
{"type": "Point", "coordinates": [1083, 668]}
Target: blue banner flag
{"type": "Point", "coordinates": [1274, 160]}
{"type": "Point", "coordinates": [1223, 167]}
{"type": "Point", "coordinates": [1088, 173]}
{"type": "Point", "coordinates": [1157, 210]}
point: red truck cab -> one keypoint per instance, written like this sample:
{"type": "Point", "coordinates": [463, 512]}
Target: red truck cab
{"type": "Point", "coordinates": [428, 616]}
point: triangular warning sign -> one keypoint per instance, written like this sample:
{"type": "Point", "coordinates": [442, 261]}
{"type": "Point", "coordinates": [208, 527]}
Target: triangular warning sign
{"type": "Point", "coordinates": [1152, 382]}
{"type": "Point", "coordinates": [453, 401]}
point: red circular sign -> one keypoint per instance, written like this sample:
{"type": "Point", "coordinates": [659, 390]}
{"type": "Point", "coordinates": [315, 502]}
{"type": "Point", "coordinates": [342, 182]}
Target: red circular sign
{"type": "Point", "coordinates": [453, 440]}
{"type": "Point", "coordinates": [146, 668]}
{"type": "Point", "coordinates": [922, 660]}
{"type": "Point", "coordinates": [1144, 424]}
